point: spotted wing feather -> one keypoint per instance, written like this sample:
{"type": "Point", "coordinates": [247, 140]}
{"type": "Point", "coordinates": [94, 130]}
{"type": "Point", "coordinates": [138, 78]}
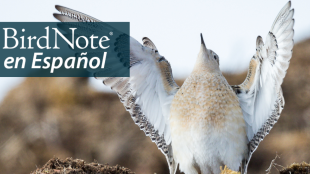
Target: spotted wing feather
{"type": "Point", "coordinates": [147, 95]}
{"type": "Point", "coordinates": [148, 43]}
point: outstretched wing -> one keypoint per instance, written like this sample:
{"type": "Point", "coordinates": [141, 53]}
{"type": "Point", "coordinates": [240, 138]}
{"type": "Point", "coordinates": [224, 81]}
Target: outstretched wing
{"type": "Point", "coordinates": [148, 92]}
{"type": "Point", "coordinates": [260, 95]}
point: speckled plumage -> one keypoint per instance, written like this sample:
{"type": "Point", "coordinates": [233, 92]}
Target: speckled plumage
{"type": "Point", "coordinates": [207, 125]}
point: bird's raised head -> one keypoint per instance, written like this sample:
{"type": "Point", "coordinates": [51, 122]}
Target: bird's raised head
{"type": "Point", "coordinates": [207, 59]}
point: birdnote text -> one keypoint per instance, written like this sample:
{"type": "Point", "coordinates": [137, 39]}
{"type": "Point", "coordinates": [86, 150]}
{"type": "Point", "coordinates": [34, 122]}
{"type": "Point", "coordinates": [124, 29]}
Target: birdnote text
{"type": "Point", "coordinates": [69, 49]}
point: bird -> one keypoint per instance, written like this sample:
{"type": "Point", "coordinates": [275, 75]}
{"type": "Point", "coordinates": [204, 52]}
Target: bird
{"type": "Point", "coordinates": [206, 123]}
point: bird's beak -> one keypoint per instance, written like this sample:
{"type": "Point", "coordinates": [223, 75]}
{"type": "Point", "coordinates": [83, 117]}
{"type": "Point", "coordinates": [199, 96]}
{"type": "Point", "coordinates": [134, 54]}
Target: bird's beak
{"type": "Point", "coordinates": [202, 41]}
{"type": "Point", "coordinates": [203, 48]}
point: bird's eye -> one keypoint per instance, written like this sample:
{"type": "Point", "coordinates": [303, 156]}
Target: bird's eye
{"type": "Point", "coordinates": [214, 56]}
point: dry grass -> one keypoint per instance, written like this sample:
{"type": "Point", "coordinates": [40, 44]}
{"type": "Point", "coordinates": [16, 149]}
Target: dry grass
{"type": "Point", "coordinates": [297, 168]}
{"type": "Point", "coordinates": [226, 170]}
{"type": "Point", "coordinates": [78, 166]}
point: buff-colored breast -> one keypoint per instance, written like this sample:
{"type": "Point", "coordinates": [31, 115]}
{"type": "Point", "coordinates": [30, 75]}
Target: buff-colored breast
{"type": "Point", "coordinates": [207, 125]}
{"type": "Point", "coordinates": [205, 98]}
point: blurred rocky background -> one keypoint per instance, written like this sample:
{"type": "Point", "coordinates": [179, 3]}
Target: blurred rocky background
{"type": "Point", "coordinates": [64, 117]}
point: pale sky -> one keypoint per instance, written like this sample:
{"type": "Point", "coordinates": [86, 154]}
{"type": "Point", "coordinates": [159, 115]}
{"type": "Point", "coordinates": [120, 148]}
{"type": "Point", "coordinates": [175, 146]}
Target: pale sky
{"type": "Point", "coordinates": [229, 27]}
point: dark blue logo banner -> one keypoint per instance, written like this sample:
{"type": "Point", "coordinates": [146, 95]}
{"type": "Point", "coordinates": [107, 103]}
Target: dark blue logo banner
{"type": "Point", "coordinates": [72, 49]}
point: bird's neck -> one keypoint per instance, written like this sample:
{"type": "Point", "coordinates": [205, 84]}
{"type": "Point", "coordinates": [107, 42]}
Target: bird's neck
{"type": "Point", "coordinates": [205, 65]}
